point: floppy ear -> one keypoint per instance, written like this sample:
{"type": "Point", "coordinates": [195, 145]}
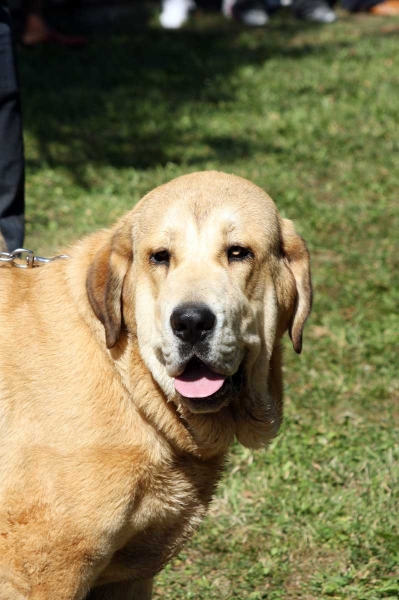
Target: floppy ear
{"type": "Point", "coordinates": [105, 282]}
{"type": "Point", "coordinates": [296, 257]}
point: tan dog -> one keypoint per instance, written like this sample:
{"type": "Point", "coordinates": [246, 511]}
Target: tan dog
{"type": "Point", "coordinates": [111, 445]}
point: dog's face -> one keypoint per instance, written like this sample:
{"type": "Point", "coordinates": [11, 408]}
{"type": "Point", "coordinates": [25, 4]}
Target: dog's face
{"type": "Point", "coordinates": [203, 264]}
{"type": "Point", "coordinates": [210, 278]}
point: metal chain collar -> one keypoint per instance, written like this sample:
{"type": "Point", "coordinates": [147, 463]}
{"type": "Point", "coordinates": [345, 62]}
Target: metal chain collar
{"type": "Point", "coordinates": [26, 259]}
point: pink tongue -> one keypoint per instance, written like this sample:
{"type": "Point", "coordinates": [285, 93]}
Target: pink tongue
{"type": "Point", "coordinates": [198, 381]}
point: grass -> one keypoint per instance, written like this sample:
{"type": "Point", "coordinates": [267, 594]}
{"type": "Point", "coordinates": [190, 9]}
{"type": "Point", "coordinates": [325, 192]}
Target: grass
{"type": "Point", "coordinates": [311, 115]}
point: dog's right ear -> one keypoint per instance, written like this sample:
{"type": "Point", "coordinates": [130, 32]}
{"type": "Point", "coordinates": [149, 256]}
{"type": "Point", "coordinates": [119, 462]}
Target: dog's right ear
{"type": "Point", "coordinates": [105, 282]}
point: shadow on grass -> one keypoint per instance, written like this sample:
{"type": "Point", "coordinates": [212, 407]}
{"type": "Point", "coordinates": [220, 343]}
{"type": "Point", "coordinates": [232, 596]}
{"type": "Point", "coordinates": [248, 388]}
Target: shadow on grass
{"type": "Point", "coordinates": [140, 98]}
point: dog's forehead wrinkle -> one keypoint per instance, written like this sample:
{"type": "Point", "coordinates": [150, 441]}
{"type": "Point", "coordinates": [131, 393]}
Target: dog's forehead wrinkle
{"type": "Point", "coordinates": [167, 234]}
{"type": "Point", "coordinates": [232, 212]}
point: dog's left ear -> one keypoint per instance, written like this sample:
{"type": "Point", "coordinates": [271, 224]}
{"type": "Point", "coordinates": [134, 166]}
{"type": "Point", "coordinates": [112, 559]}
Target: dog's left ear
{"type": "Point", "coordinates": [105, 282]}
{"type": "Point", "coordinates": [296, 257]}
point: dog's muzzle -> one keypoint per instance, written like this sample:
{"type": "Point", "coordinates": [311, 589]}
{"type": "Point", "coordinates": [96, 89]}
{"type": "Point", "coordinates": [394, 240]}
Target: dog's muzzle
{"type": "Point", "coordinates": [193, 325]}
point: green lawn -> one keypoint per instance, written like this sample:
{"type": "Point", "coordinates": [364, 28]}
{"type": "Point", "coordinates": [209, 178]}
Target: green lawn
{"type": "Point", "coordinates": [311, 115]}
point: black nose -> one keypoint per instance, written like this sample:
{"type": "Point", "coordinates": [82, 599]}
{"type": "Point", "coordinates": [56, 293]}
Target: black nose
{"type": "Point", "coordinates": [192, 322]}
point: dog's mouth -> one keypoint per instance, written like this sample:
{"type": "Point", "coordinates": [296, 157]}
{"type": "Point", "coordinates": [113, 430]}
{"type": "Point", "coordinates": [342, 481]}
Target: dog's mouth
{"type": "Point", "coordinates": [198, 380]}
{"type": "Point", "coordinates": [204, 390]}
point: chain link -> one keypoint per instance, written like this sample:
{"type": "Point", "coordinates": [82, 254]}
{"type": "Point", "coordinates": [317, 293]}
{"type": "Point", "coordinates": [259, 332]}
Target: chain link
{"type": "Point", "coordinates": [26, 259]}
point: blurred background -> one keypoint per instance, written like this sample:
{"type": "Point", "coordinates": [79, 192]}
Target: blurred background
{"type": "Point", "coordinates": [309, 112]}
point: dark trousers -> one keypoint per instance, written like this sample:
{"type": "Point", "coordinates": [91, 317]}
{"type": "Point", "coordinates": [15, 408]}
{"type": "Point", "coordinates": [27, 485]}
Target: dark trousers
{"type": "Point", "coordinates": [12, 201]}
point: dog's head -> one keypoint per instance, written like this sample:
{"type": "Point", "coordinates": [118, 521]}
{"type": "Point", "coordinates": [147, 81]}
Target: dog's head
{"type": "Point", "coordinates": [208, 277]}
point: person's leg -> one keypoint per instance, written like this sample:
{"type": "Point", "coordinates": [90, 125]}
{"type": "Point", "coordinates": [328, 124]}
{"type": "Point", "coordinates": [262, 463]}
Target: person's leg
{"type": "Point", "coordinates": [12, 199]}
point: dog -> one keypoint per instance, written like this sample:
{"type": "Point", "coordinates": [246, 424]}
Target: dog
{"type": "Point", "coordinates": [126, 371]}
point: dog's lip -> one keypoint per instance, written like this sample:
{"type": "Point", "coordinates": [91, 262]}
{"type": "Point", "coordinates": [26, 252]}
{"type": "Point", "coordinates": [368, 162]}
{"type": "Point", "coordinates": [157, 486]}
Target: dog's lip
{"type": "Point", "coordinates": [198, 380]}
{"type": "Point", "coordinates": [196, 358]}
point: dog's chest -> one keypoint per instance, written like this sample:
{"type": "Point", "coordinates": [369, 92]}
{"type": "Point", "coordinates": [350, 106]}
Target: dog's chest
{"type": "Point", "coordinates": [164, 517]}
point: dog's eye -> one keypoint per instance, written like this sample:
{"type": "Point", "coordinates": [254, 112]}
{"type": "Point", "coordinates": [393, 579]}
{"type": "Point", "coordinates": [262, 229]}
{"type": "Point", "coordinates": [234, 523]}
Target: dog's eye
{"type": "Point", "coordinates": [161, 257]}
{"type": "Point", "coordinates": [238, 253]}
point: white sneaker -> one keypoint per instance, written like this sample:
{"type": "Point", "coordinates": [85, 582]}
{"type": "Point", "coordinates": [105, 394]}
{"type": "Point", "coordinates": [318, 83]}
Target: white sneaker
{"type": "Point", "coordinates": [175, 13]}
{"type": "Point", "coordinates": [250, 12]}
{"type": "Point", "coordinates": [255, 17]}
{"type": "Point", "coordinates": [227, 8]}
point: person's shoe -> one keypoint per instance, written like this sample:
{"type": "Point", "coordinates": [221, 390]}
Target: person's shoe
{"type": "Point", "coordinates": [175, 13]}
{"type": "Point", "coordinates": [37, 32]}
{"type": "Point", "coordinates": [250, 13]}
{"type": "Point", "coordinates": [316, 13]}
{"type": "Point", "coordinates": [227, 8]}
{"type": "Point", "coordinates": [389, 8]}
